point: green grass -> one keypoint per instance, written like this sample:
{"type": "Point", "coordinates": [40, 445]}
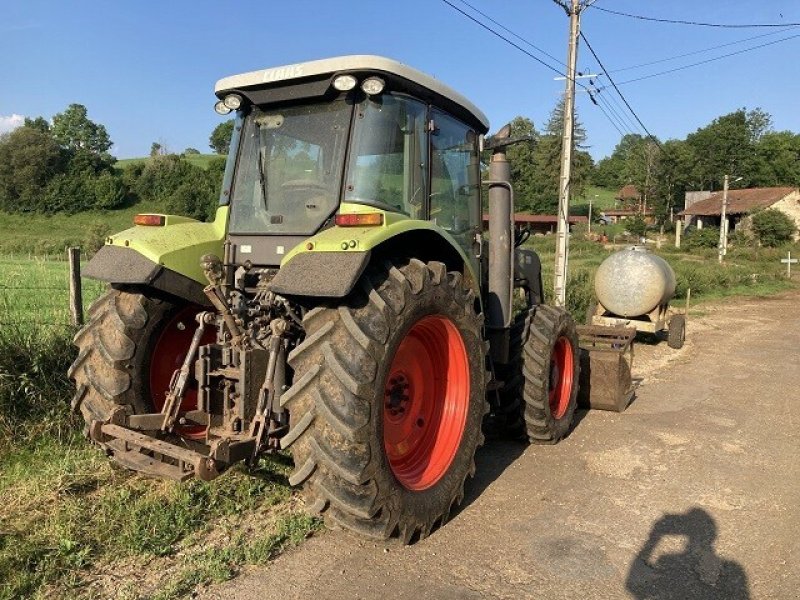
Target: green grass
{"type": "Point", "coordinates": [68, 517]}
{"type": "Point", "coordinates": [198, 160]}
{"type": "Point", "coordinates": [48, 235]}
{"type": "Point", "coordinates": [604, 200]}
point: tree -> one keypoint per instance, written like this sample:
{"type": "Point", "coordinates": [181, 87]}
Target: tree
{"type": "Point", "coordinates": [220, 139]}
{"type": "Point", "coordinates": [75, 131]}
{"type": "Point", "coordinates": [155, 149]}
{"type": "Point", "coordinates": [777, 159]}
{"type": "Point", "coordinates": [39, 123]}
{"type": "Point", "coordinates": [191, 151]}
{"type": "Point", "coordinates": [29, 159]}
{"type": "Point", "coordinates": [772, 227]}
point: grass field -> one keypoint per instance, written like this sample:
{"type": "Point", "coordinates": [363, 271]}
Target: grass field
{"type": "Point", "coordinates": [73, 526]}
{"type": "Point", "coordinates": [43, 235]}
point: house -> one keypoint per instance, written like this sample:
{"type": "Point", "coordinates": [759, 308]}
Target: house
{"type": "Point", "coordinates": [538, 223]}
{"type": "Point", "coordinates": [629, 196]}
{"type": "Point", "coordinates": [621, 214]}
{"type": "Point", "coordinates": [741, 204]}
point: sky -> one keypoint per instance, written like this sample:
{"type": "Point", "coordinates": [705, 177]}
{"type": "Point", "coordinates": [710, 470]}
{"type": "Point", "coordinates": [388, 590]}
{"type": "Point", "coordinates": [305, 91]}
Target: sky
{"type": "Point", "coordinates": [146, 70]}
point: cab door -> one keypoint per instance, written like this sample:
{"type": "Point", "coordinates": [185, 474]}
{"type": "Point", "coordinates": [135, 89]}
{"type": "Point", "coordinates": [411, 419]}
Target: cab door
{"type": "Point", "coordinates": [455, 201]}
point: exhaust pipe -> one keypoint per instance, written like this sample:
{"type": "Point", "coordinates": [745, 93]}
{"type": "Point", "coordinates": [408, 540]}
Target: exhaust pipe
{"type": "Point", "coordinates": [501, 247]}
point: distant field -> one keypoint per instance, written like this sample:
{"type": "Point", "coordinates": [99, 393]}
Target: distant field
{"type": "Point", "coordinates": [50, 234]}
{"type": "Point", "coordinates": [199, 160]}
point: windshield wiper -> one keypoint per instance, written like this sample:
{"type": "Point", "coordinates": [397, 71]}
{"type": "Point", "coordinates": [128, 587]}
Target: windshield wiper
{"type": "Point", "coordinates": [262, 177]}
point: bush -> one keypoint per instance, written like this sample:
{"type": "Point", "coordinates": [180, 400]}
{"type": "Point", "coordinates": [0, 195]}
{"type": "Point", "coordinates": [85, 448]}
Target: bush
{"type": "Point", "coordinates": [708, 237]}
{"type": "Point", "coordinates": [636, 226]}
{"type": "Point", "coordinates": [772, 227]}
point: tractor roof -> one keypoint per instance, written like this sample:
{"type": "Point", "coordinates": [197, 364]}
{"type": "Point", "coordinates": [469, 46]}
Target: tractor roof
{"type": "Point", "coordinates": [400, 77]}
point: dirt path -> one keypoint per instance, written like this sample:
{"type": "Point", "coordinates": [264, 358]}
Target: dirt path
{"type": "Point", "coordinates": [693, 492]}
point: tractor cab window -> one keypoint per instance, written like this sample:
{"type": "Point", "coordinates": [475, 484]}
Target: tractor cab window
{"type": "Point", "coordinates": [388, 158]}
{"type": "Point", "coordinates": [455, 189]}
{"type": "Point", "coordinates": [289, 169]}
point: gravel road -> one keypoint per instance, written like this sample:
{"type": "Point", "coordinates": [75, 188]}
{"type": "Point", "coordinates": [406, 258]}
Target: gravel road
{"type": "Point", "coordinates": [693, 492]}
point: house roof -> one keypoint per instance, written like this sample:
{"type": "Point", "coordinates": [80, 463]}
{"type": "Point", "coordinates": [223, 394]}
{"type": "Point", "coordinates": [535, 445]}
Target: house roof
{"type": "Point", "coordinates": [628, 192]}
{"type": "Point", "coordinates": [625, 212]}
{"type": "Point", "coordinates": [739, 201]}
{"type": "Point", "coordinates": [526, 218]}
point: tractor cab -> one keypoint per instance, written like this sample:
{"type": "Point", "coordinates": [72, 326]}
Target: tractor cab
{"type": "Point", "coordinates": [353, 141]}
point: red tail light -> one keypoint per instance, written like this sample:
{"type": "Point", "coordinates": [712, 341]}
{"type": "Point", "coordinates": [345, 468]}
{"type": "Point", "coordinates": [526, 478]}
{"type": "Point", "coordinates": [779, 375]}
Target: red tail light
{"type": "Point", "coordinates": [149, 220]}
{"type": "Point", "coordinates": [359, 220]}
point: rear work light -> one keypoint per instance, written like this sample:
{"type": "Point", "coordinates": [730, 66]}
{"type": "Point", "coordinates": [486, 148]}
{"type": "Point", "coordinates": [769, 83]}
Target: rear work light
{"type": "Point", "coordinates": [359, 220]}
{"type": "Point", "coordinates": [149, 220]}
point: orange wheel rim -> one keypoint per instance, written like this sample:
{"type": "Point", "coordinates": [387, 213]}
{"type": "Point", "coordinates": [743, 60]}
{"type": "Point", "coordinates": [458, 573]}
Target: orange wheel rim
{"type": "Point", "coordinates": [168, 354]}
{"type": "Point", "coordinates": [561, 377]}
{"type": "Point", "coordinates": [425, 402]}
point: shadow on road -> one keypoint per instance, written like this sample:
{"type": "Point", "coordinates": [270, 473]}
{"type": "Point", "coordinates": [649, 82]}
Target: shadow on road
{"type": "Point", "coordinates": [694, 572]}
{"type": "Point", "coordinates": [490, 462]}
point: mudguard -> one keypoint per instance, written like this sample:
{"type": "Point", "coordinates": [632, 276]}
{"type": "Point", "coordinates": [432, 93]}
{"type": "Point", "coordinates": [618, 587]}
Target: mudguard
{"type": "Point", "coordinates": [328, 264]}
{"type": "Point", "coordinates": [125, 267]}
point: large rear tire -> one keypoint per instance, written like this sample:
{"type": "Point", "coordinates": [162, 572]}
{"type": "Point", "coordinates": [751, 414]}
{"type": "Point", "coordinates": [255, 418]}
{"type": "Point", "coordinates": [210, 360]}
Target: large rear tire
{"type": "Point", "coordinates": [127, 352]}
{"type": "Point", "coordinates": [387, 401]}
{"type": "Point", "coordinates": [540, 390]}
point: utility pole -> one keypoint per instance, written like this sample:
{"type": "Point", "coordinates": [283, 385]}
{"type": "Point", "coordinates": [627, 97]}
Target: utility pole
{"type": "Point", "coordinates": [723, 230]}
{"type": "Point", "coordinates": [590, 211]}
{"type": "Point", "coordinates": [573, 9]}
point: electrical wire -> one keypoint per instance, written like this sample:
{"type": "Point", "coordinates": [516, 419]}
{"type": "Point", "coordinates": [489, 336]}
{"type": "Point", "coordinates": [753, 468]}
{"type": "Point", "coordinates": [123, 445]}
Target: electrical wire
{"type": "Point", "coordinates": [708, 60]}
{"type": "Point", "coordinates": [709, 49]}
{"type": "Point", "coordinates": [622, 97]}
{"type": "Point", "coordinates": [516, 35]}
{"type": "Point", "coordinates": [524, 51]}
{"type": "Point", "coordinates": [505, 39]}
{"type": "Point", "coordinates": [695, 23]}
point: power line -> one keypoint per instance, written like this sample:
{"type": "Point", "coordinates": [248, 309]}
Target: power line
{"type": "Point", "coordinates": [709, 49]}
{"type": "Point", "coordinates": [502, 37]}
{"type": "Point", "coordinates": [695, 23]}
{"type": "Point", "coordinates": [708, 60]}
{"type": "Point", "coordinates": [518, 47]}
{"type": "Point", "coordinates": [516, 35]}
{"type": "Point", "coordinates": [630, 108]}
{"type": "Point", "coordinates": [622, 120]}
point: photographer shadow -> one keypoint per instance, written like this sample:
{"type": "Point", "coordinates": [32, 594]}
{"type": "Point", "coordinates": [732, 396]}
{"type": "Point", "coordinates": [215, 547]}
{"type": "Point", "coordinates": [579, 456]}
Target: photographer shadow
{"type": "Point", "coordinates": [695, 572]}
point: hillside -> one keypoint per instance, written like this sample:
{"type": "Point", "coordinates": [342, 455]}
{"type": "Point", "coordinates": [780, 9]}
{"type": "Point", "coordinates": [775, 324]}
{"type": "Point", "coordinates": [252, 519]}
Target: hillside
{"type": "Point", "coordinates": [49, 234]}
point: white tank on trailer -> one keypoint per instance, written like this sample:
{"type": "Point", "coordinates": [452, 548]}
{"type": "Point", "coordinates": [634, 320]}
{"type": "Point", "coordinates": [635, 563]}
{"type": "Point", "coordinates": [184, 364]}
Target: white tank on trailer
{"type": "Point", "coordinates": [633, 282]}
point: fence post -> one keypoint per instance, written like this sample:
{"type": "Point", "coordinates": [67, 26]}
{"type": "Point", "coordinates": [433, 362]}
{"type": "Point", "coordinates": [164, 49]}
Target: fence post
{"type": "Point", "coordinates": [75, 296]}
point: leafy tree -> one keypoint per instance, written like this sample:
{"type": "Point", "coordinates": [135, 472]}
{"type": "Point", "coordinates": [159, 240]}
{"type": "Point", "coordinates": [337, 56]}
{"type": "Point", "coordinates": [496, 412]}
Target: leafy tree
{"type": "Point", "coordinates": [220, 139]}
{"type": "Point", "coordinates": [191, 151]}
{"type": "Point", "coordinates": [777, 159]}
{"type": "Point", "coordinates": [772, 227]}
{"type": "Point", "coordinates": [74, 130]}
{"type": "Point", "coordinates": [29, 159]}
{"type": "Point", "coordinates": [39, 123]}
{"type": "Point", "coordinates": [155, 149]}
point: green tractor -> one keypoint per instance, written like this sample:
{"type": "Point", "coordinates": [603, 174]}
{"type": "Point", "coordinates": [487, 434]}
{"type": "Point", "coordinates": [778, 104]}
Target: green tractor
{"type": "Point", "coordinates": [345, 304]}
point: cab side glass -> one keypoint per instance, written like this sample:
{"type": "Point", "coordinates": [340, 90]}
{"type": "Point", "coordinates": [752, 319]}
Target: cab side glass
{"type": "Point", "coordinates": [455, 191]}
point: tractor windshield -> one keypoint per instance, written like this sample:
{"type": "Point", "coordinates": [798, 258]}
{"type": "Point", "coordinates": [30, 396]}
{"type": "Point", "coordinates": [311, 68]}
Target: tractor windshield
{"type": "Point", "coordinates": [288, 177]}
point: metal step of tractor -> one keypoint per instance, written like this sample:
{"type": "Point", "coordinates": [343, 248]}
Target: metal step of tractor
{"type": "Point", "coordinates": [151, 456]}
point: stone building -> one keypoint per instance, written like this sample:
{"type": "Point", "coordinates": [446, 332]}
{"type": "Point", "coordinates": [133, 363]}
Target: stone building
{"type": "Point", "coordinates": [741, 204]}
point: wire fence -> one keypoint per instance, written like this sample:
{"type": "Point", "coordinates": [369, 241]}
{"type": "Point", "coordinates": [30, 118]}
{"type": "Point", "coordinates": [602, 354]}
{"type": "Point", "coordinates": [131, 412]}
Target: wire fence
{"type": "Point", "coordinates": [35, 292]}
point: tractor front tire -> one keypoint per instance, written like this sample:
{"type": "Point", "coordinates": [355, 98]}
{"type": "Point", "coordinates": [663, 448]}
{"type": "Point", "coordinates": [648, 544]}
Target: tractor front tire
{"type": "Point", "coordinates": [387, 401]}
{"type": "Point", "coordinates": [540, 391]}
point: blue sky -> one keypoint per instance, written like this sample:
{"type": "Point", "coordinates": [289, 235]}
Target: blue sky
{"type": "Point", "coordinates": [146, 70]}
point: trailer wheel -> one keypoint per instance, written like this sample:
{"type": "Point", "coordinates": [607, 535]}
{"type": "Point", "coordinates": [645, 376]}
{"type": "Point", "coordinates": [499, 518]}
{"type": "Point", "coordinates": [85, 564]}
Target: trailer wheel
{"type": "Point", "coordinates": [387, 401]}
{"type": "Point", "coordinates": [542, 384]}
{"type": "Point", "coordinates": [676, 332]}
{"type": "Point", "coordinates": [127, 352]}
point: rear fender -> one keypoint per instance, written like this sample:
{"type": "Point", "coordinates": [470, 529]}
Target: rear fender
{"type": "Point", "coordinates": [329, 264]}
